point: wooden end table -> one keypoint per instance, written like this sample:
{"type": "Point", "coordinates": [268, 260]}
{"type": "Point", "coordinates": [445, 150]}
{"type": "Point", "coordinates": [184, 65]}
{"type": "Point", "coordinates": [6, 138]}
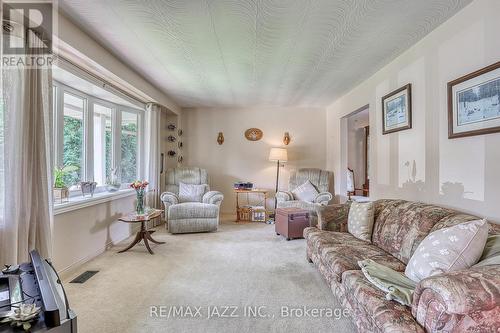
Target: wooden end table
{"type": "Point", "coordinates": [142, 234]}
{"type": "Point", "coordinates": [247, 192]}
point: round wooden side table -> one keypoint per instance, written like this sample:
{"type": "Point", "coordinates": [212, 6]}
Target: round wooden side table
{"type": "Point", "coordinates": [142, 234]}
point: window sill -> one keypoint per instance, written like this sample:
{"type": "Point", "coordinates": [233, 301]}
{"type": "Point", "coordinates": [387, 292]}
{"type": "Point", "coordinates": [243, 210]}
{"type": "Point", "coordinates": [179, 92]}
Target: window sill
{"type": "Point", "coordinates": [79, 202]}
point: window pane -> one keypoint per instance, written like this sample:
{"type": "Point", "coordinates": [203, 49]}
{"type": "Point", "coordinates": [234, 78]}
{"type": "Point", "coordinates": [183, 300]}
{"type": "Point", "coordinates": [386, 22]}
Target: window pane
{"type": "Point", "coordinates": [102, 144]}
{"type": "Point", "coordinates": [73, 137]}
{"type": "Point", "coordinates": [129, 147]}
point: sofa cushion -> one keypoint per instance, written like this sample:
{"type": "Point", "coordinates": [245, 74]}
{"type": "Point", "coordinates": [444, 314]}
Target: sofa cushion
{"type": "Point", "coordinates": [343, 257]}
{"type": "Point", "coordinates": [448, 249]}
{"type": "Point", "coordinates": [386, 316]}
{"type": "Point", "coordinates": [401, 225]}
{"type": "Point", "coordinates": [360, 220]}
{"type": "Point", "coordinates": [193, 210]}
{"type": "Point", "coordinates": [341, 251]}
{"type": "Point", "coordinates": [491, 252]}
{"type": "Point", "coordinates": [319, 239]}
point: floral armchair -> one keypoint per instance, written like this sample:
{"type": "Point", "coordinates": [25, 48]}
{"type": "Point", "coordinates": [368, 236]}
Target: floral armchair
{"type": "Point", "coordinates": [321, 180]}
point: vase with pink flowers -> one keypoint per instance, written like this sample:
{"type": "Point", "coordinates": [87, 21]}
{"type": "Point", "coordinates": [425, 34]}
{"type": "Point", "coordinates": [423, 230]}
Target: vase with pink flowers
{"type": "Point", "coordinates": [139, 186]}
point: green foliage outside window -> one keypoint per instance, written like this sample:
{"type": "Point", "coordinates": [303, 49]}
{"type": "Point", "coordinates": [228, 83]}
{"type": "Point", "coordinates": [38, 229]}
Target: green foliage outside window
{"type": "Point", "coordinates": [129, 153]}
{"type": "Point", "coordinates": [73, 149]}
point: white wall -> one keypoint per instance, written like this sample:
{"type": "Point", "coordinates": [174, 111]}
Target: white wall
{"type": "Point", "coordinates": [240, 159]}
{"type": "Point", "coordinates": [422, 163]}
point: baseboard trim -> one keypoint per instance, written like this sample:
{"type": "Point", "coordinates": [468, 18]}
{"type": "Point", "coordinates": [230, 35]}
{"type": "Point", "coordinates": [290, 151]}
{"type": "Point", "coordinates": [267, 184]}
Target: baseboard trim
{"type": "Point", "coordinates": [72, 269]}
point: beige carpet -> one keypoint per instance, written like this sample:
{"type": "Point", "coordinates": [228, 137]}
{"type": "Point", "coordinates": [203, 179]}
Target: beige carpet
{"type": "Point", "coordinates": [240, 266]}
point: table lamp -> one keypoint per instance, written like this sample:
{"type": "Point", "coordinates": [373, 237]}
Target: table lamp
{"type": "Point", "coordinates": [278, 155]}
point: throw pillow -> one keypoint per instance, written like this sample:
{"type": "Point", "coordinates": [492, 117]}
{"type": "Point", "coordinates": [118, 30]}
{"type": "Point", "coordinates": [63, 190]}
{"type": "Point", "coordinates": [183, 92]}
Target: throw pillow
{"type": "Point", "coordinates": [360, 220]}
{"type": "Point", "coordinates": [449, 249]}
{"type": "Point", "coordinates": [491, 252]}
{"type": "Point", "coordinates": [305, 192]}
{"type": "Point", "coordinates": [191, 192]}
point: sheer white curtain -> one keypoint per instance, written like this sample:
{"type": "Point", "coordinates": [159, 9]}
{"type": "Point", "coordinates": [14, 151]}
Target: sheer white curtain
{"type": "Point", "coordinates": [152, 153]}
{"type": "Point", "coordinates": [25, 186]}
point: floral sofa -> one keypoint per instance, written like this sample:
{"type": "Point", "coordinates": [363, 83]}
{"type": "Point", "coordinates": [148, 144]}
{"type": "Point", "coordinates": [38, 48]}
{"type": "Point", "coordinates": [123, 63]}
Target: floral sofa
{"type": "Point", "coordinates": [460, 301]}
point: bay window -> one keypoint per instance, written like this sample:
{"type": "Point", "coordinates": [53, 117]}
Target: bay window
{"type": "Point", "coordinates": [98, 138]}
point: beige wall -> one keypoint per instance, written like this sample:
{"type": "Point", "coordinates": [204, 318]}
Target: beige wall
{"type": "Point", "coordinates": [240, 159]}
{"type": "Point", "coordinates": [422, 163]}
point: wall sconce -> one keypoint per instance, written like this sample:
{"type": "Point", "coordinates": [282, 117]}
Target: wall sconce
{"type": "Point", "coordinates": [286, 139]}
{"type": "Point", "coordinates": [220, 138]}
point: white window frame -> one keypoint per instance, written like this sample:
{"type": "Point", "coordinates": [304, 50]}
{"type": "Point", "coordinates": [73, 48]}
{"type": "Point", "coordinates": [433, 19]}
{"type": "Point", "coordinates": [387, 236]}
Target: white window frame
{"type": "Point", "coordinates": [88, 144]}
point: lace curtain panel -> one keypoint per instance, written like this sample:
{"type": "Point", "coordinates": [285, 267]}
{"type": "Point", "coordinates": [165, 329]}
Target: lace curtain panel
{"type": "Point", "coordinates": [25, 162]}
{"type": "Point", "coordinates": [152, 154]}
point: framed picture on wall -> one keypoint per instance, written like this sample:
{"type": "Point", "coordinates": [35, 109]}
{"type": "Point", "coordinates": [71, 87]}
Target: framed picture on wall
{"type": "Point", "coordinates": [396, 110]}
{"type": "Point", "coordinates": [474, 103]}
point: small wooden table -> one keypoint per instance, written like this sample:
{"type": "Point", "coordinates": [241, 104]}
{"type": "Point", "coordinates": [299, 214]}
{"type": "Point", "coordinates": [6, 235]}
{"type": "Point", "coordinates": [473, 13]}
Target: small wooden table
{"type": "Point", "coordinates": [252, 191]}
{"type": "Point", "coordinates": [142, 234]}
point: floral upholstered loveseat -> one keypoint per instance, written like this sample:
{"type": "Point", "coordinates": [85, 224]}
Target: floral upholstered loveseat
{"type": "Point", "coordinates": [460, 301]}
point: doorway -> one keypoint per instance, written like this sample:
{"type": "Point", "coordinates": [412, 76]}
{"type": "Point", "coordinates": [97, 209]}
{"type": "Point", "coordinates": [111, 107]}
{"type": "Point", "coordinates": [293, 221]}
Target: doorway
{"type": "Point", "coordinates": [357, 151]}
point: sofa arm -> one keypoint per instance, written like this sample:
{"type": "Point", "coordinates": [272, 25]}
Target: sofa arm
{"type": "Point", "coordinates": [282, 196]}
{"type": "Point", "coordinates": [460, 301]}
{"type": "Point", "coordinates": [213, 197]}
{"type": "Point", "coordinates": [169, 198]}
{"type": "Point", "coordinates": [323, 198]}
{"type": "Point", "coordinates": [333, 217]}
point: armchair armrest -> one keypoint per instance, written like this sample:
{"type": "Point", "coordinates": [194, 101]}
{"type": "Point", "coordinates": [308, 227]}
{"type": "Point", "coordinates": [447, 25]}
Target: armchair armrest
{"type": "Point", "coordinates": [323, 198]}
{"type": "Point", "coordinates": [169, 198]}
{"type": "Point", "coordinates": [460, 301]}
{"type": "Point", "coordinates": [282, 196]}
{"type": "Point", "coordinates": [213, 197]}
{"type": "Point", "coordinates": [333, 217]}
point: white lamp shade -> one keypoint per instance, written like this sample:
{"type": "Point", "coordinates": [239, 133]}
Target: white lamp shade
{"type": "Point", "coordinates": [278, 154]}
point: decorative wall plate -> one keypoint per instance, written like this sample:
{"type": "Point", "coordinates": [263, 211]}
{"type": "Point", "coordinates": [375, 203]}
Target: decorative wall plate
{"type": "Point", "coordinates": [180, 159]}
{"type": "Point", "coordinates": [171, 138]}
{"type": "Point", "coordinates": [171, 153]}
{"type": "Point", "coordinates": [180, 144]}
{"type": "Point", "coordinates": [171, 127]}
{"type": "Point", "coordinates": [180, 132]}
{"type": "Point", "coordinates": [253, 134]}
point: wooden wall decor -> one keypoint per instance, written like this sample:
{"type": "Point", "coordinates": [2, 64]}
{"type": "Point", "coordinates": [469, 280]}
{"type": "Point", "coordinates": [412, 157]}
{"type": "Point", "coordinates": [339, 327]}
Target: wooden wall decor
{"type": "Point", "coordinates": [253, 134]}
{"type": "Point", "coordinates": [286, 139]}
{"type": "Point", "coordinates": [220, 138]}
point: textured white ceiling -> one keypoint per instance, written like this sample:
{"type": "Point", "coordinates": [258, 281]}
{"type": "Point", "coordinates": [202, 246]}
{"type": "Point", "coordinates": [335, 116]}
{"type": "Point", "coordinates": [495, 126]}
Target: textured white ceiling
{"type": "Point", "coordinates": [216, 53]}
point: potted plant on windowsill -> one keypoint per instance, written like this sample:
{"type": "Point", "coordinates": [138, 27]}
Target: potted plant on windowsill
{"type": "Point", "coordinates": [60, 190]}
{"type": "Point", "coordinates": [112, 183]}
